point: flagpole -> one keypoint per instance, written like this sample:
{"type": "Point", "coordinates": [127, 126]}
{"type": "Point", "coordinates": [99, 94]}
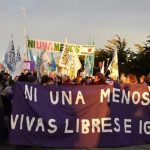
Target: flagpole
{"type": "Point", "coordinates": [24, 32]}
{"type": "Point", "coordinates": [118, 69]}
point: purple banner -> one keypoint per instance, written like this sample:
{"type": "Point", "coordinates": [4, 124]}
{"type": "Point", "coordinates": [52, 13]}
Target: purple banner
{"type": "Point", "coordinates": [80, 116]}
{"type": "Point", "coordinates": [29, 65]}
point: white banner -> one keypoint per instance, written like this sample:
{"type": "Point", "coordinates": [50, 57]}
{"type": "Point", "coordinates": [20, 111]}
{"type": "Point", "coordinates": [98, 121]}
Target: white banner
{"type": "Point", "coordinates": [58, 47]}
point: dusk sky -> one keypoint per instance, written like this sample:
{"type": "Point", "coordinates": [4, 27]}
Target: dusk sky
{"type": "Point", "coordinates": [75, 19]}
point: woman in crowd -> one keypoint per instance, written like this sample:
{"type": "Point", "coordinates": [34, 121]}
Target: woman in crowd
{"type": "Point", "coordinates": [99, 79]}
{"type": "Point", "coordinates": [132, 79]}
{"type": "Point", "coordinates": [123, 78]}
{"type": "Point", "coordinates": [148, 79]}
{"type": "Point", "coordinates": [142, 79]}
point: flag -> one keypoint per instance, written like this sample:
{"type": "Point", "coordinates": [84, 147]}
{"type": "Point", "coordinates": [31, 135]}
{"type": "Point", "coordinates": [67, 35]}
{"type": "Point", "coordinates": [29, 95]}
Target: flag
{"type": "Point", "coordinates": [113, 67]}
{"type": "Point", "coordinates": [45, 61]}
{"type": "Point", "coordinates": [31, 55]}
{"type": "Point", "coordinates": [18, 57]}
{"type": "Point", "coordinates": [88, 65]}
{"type": "Point", "coordinates": [18, 70]}
{"type": "Point", "coordinates": [9, 58]}
{"type": "Point", "coordinates": [75, 65]}
{"type": "Point", "coordinates": [64, 59]}
{"type": "Point", "coordinates": [38, 63]}
{"type": "Point", "coordinates": [53, 63]}
{"type": "Point", "coordinates": [102, 69]}
{"type": "Point", "coordinates": [91, 64]}
{"type": "Point", "coordinates": [38, 69]}
{"type": "Point", "coordinates": [45, 57]}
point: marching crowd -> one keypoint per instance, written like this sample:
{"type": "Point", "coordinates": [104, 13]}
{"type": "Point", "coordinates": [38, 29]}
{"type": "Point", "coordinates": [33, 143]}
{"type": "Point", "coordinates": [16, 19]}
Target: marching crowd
{"type": "Point", "coordinates": [6, 90]}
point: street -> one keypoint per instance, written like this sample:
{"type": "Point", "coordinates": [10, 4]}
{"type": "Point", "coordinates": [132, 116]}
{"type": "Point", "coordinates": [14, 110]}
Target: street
{"type": "Point", "coordinates": [12, 147]}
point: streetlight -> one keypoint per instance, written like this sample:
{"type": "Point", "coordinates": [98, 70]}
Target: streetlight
{"type": "Point", "coordinates": [24, 32]}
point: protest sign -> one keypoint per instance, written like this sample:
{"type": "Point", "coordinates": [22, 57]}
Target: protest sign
{"type": "Point", "coordinates": [80, 116]}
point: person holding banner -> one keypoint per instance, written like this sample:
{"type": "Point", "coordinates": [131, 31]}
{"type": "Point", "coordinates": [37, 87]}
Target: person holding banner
{"type": "Point", "coordinates": [132, 79]}
{"type": "Point", "coordinates": [142, 79]}
{"type": "Point", "coordinates": [66, 79]}
{"type": "Point", "coordinates": [148, 79]}
{"type": "Point", "coordinates": [123, 78]}
{"type": "Point", "coordinates": [99, 78]}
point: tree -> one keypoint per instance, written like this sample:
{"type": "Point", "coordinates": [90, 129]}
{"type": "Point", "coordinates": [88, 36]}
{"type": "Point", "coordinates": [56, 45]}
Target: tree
{"type": "Point", "coordinates": [143, 59]}
{"type": "Point", "coordinates": [100, 55]}
{"type": "Point", "coordinates": [135, 62]}
{"type": "Point", "coordinates": [123, 52]}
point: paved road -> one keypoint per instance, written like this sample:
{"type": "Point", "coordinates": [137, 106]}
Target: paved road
{"type": "Point", "coordinates": [11, 147]}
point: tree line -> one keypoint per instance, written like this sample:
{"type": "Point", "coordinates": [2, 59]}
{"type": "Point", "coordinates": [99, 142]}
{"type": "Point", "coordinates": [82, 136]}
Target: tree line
{"type": "Point", "coordinates": [129, 61]}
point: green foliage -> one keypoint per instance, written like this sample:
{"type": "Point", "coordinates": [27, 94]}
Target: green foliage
{"type": "Point", "coordinates": [128, 61]}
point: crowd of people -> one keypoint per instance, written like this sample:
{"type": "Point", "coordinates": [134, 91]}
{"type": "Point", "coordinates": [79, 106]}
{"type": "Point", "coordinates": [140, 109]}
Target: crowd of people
{"type": "Point", "coordinates": [6, 90]}
{"type": "Point", "coordinates": [130, 78]}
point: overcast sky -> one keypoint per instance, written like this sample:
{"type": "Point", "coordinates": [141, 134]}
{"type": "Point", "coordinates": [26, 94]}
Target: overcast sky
{"type": "Point", "coordinates": [75, 19]}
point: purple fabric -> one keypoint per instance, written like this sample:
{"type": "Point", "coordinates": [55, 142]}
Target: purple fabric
{"type": "Point", "coordinates": [112, 131]}
{"type": "Point", "coordinates": [32, 65]}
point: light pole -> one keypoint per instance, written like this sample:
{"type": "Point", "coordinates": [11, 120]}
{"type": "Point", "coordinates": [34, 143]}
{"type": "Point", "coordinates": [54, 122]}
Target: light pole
{"type": "Point", "coordinates": [24, 32]}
